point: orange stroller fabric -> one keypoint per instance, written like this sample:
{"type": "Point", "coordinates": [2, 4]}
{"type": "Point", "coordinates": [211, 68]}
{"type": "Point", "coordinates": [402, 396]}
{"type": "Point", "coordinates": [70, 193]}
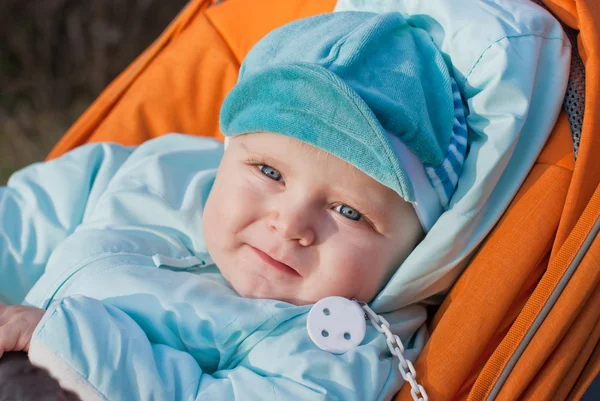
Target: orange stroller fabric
{"type": "Point", "coordinates": [494, 304]}
{"type": "Point", "coordinates": [179, 83]}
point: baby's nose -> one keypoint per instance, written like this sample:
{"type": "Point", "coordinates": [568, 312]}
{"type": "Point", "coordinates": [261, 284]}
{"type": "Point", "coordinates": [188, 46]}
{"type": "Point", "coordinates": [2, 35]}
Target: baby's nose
{"type": "Point", "coordinates": [294, 222]}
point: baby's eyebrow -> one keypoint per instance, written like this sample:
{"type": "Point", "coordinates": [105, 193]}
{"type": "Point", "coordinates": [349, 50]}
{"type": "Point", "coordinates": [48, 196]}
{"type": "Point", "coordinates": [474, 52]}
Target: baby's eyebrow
{"type": "Point", "coordinates": [243, 145]}
{"type": "Point", "coordinates": [267, 158]}
{"type": "Point", "coordinates": [248, 150]}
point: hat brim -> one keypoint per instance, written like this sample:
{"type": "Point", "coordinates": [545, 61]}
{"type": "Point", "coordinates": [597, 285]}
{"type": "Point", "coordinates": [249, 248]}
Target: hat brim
{"type": "Point", "coordinates": [313, 105]}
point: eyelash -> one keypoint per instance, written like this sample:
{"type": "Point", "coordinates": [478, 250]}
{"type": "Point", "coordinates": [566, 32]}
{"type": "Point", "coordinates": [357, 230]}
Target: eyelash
{"type": "Point", "coordinates": [261, 162]}
{"type": "Point", "coordinates": [364, 218]}
{"type": "Point", "coordinates": [255, 162]}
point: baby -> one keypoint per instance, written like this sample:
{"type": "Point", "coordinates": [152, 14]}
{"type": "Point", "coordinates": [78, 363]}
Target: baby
{"type": "Point", "coordinates": [307, 224]}
{"type": "Point", "coordinates": [148, 273]}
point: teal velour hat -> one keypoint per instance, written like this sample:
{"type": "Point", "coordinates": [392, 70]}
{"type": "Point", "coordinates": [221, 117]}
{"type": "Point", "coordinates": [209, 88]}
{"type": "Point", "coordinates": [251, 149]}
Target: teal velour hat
{"type": "Point", "coordinates": [368, 88]}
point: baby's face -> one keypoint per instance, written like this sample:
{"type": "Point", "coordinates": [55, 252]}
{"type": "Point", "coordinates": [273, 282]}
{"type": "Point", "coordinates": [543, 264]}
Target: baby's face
{"type": "Point", "coordinates": [285, 220]}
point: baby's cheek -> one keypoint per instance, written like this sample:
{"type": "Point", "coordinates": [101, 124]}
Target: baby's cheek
{"type": "Point", "coordinates": [231, 208]}
{"type": "Point", "coordinates": [359, 269]}
{"type": "Point", "coordinates": [222, 205]}
{"type": "Point", "coordinates": [216, 217]}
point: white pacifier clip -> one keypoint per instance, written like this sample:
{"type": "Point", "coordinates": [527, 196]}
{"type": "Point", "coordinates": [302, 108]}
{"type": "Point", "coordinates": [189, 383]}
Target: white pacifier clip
{"type": "Point", "coordinates": [337, 325]}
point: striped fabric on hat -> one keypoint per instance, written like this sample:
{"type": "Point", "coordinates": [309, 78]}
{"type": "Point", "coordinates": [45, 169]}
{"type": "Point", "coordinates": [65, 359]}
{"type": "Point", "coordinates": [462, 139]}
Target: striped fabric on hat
{"type": "Point", "coordinates": [444, 178]}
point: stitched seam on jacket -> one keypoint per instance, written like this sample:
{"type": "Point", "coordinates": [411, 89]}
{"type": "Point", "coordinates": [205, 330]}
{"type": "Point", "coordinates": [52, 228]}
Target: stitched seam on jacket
{"type": "Point", "coordinates": [119, 264]}
{"type": "Point", "coordinates": [70, 271]}
{"type": "Point", "coordinates": [274, 394]}
{"type": "Point", "coordinates": [508, 37]}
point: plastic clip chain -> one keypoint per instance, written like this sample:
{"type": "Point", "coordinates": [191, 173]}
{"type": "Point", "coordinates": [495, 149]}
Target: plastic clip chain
{"type": "Point", "coordinates": [406, 367]}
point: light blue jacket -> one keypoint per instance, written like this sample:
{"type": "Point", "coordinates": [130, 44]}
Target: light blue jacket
{"type": "Point", "coordinates": [109, 240]}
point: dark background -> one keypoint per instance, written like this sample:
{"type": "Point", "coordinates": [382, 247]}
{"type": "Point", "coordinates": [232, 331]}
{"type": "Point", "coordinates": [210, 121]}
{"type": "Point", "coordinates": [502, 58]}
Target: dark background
{"type": "Point", "coordinates": [56, 56]}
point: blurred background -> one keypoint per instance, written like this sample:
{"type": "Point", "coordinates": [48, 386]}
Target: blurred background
{"type": "Point", "coordinates": [56, 56]}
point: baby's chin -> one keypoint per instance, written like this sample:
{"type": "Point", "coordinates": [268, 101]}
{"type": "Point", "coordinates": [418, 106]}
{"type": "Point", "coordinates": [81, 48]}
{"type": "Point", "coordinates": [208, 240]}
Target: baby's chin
{"type": "Point", "coordinates": [260, 288]}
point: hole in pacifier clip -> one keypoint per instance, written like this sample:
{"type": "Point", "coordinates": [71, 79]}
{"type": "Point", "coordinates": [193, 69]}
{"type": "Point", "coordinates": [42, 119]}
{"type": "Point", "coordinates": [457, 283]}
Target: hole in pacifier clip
{"type": "Point", "coordinates": [325, 333]}
{"type": "Point", "coordinates": [326, 312]}
{"type": "Point", "coordinates": [347, 336]}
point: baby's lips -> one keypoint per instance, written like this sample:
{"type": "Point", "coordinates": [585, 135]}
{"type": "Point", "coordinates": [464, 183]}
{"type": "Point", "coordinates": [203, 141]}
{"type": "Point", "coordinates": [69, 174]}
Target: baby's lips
{"type": "Point", "coordinates": [283, 260]}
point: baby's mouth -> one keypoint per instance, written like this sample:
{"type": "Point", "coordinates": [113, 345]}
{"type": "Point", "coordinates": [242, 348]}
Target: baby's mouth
{"type": "Point", "coordinates": [272, 262]}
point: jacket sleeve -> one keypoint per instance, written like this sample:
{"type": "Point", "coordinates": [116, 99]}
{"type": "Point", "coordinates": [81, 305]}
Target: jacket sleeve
{"type": "Point", "coordinates": [73, 343]}
{"type": "Point", "coordinates": [42, 204]}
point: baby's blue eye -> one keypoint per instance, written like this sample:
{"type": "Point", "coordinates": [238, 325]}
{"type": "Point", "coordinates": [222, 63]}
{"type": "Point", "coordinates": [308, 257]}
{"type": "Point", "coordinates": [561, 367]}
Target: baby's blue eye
{"type": "Point", "coordinates": [270, 172]}
{"type": "Point", "coordinates": [348, 212]}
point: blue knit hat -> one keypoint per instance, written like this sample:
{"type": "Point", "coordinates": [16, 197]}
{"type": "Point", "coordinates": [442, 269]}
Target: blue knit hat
{"type": "Point", "coordinates": [368, 88]}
